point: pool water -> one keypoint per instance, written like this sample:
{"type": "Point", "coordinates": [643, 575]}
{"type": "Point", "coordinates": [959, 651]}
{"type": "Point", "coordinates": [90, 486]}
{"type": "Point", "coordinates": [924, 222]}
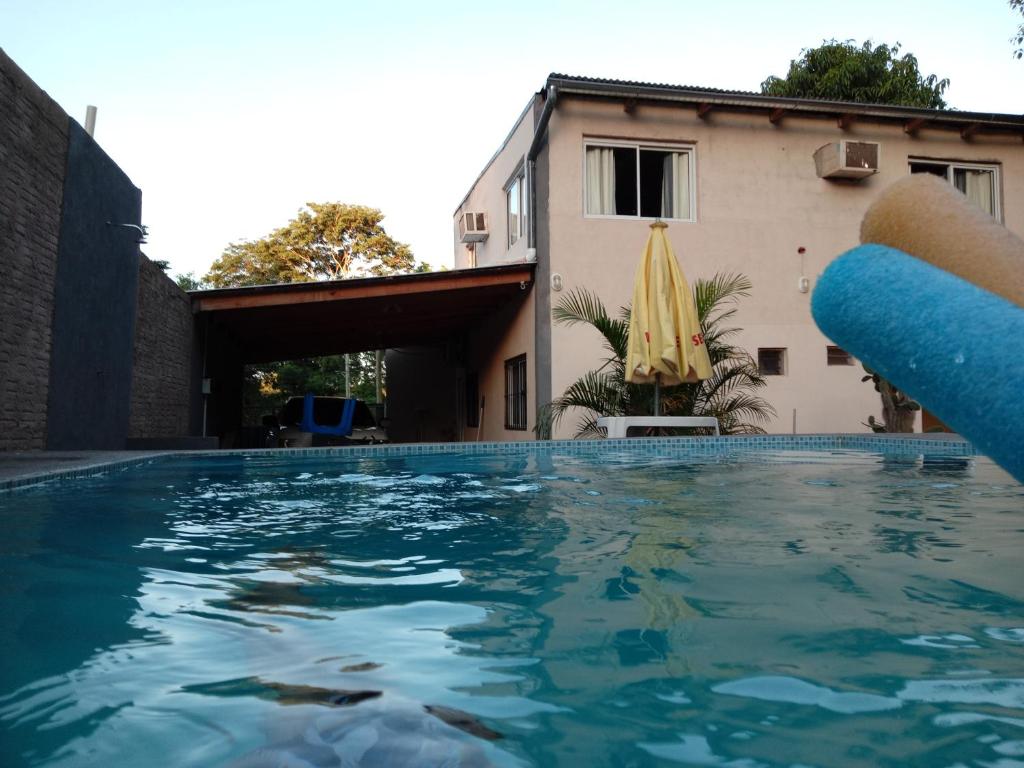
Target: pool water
{"type": "Point", "coordinates": [772, 609]}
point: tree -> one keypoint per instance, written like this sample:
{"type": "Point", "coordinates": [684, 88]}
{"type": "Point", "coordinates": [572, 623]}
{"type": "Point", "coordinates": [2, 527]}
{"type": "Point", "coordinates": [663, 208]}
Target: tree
{"type": "Point", "coordinates": [727, 395]}
{"type": "Point", "coordinates": [844, 71]}
{"type": "Point", "coordinates": [1018, 38]}
{"type": "Point", "coordinates": [189, 282]}
{"type": "Point", "coordinates": [325, 241]}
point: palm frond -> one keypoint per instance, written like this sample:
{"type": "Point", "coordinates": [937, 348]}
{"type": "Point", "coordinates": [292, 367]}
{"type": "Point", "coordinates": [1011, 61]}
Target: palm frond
{"type": "Point", "coordinates": [729, 394]}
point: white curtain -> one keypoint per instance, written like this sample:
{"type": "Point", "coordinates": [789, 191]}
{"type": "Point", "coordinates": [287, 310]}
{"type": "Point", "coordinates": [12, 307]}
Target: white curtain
{"type": "Point", "coordinates": [977, 185]}
{"type": "Point", "coordinates": [600, 181]}
{"type": "Point", "coordinates": [675, 186]}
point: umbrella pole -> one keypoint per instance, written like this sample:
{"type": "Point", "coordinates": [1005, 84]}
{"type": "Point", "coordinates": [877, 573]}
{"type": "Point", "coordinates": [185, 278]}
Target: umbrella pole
{"type": "Point", "coordinates": [657, 394]}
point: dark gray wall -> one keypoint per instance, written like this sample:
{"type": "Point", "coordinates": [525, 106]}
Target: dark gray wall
{"type": "Point", "coordinates": [542, 276]}
{"type": "Point", "coordinates": [94, 302]}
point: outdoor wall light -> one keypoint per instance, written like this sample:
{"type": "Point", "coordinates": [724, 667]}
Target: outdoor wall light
{"type": "Point", "coordinates": [143, 230]}
{"type": "Point", "coordinates": [556, 282]}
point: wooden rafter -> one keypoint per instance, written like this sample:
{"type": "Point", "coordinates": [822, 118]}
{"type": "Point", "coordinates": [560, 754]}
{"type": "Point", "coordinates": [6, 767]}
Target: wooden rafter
{"type": "Point", "coordinates": [969, 130]}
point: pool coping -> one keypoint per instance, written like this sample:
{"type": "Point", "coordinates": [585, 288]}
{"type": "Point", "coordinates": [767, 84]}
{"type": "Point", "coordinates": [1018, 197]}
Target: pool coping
{"type": "Point", "coordinates": [95, 463]}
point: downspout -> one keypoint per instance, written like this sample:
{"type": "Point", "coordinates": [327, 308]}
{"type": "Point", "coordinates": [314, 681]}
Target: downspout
{"type": "Point", "coordinates": [531, 165]}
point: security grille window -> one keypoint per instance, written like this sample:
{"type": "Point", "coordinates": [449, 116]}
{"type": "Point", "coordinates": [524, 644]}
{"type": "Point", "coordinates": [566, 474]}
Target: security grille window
{"type": "Point", "coordinates": [771, 361]}
{"type": "Point", "coordinates": [515, 199]}
{"type": "Point", "coordinates": [838, 356]}
{"type": "Point", "coordinates": [639, 181]}
{"type": "Point", "coordinates": [979, 183]}
{"type": "Point", "coordinates": [515, 393]}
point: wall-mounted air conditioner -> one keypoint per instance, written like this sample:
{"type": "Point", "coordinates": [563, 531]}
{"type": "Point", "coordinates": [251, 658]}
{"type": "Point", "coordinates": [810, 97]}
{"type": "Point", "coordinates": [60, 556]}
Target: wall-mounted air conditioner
{"type": "Point", "coordinates": [847, 159]}
{"type": "Point", "coordinates": [473, 227]}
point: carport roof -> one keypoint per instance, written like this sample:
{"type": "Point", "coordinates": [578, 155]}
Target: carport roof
{"type": "Point", "coordinates": [293, 320]}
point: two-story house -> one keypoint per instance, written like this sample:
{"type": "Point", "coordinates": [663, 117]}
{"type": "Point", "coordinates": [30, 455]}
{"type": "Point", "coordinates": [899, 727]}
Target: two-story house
{"type": "Point", "coordinates": [770, 187]}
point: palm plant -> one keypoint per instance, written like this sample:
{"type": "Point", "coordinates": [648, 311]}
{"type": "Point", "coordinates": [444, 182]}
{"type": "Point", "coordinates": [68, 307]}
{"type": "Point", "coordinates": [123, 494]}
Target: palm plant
{"type": "Point", "coordinates": [729, 394]}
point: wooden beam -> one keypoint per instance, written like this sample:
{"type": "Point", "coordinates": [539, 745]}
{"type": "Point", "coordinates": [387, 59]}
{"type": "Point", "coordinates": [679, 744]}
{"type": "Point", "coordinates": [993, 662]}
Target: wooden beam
{"type": "Point", "coordinates": [969, 130]}
{"type": "Point", "coordinates": [362, 290]}
{"type": "Point", "coordinates": [776, 115]}
{"type": "Point", "coordinates": [703, 109]}
{"type": "Point", "coordinates": [629, 106]}
{"type": "Point", "coordinates": [910, 127]}
{"type": "Point", "coordinates": [845, 121]}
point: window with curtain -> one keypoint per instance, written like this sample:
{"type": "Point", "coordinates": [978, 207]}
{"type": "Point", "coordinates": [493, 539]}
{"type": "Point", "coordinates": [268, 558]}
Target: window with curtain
{"type": "Point", "coordinates": [979, 183]}
{"type": "Point", "coordinates": [639, 181]}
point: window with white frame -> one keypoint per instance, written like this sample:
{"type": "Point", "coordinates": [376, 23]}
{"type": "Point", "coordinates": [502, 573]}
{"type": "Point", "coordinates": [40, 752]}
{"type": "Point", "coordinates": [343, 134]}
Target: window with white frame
{"type": "Point", "coordinates": [639, 181]}
{"type": "Point", "coordinates": [978, 181]}
{"type": "Point", "coordinates": [515, 205]}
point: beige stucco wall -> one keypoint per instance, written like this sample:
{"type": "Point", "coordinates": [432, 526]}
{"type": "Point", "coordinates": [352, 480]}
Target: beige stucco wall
{"type": "Point", "coordinates": [488, 195]}
{"type": "Point", "coordinates": [507, 334]}
{"type": "Point", "coordinates": [758, 200]}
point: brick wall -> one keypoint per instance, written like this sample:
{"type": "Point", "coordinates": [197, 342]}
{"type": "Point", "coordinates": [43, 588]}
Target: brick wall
{"type": "Point", "coordinates": [162, 357]}
{"type": "Point", "coordinates": [33, 154]}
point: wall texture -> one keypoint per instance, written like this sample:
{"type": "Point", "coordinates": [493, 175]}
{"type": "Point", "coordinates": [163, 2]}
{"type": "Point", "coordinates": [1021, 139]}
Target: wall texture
{"type": "Point", "coordinates": [33, 152]}
{"type": "Point", "coordinates": [161, 378]}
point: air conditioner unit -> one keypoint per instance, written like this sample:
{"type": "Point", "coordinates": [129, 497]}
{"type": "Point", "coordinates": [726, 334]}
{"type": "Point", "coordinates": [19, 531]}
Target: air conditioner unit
{"type": "Point", "coordinates": [473, 227]}
{"type": "Point", "coordinates": [847, 159]}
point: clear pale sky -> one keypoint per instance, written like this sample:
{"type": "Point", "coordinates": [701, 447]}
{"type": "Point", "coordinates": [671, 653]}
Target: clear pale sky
{"type": "Point", "coordinates": [232, 114]}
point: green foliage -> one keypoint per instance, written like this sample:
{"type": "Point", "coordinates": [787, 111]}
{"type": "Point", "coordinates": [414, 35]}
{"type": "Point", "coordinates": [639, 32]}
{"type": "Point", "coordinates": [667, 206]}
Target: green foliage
{"type": "Point", "coordinates": [189, 282]}
{"type": "Point", "coordinates": [1018, 38]}
{"type": "Point", "coordinates": [844, 71]}
{"type": "Point", "coordinates": [728, 395]}
{"type": "Point", "coordinates": [267, 387]}
{"type": "Point", "coordinates": [325, 241]}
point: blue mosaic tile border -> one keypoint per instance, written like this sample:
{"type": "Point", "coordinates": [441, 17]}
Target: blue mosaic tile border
{"type": "Point", "coordinates": [739, 446]}
{"type": "Point", "coordinates": [654, 446]}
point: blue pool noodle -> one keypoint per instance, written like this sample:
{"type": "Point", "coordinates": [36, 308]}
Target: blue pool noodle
{"type": "Point", "coordinates": [953, 347]}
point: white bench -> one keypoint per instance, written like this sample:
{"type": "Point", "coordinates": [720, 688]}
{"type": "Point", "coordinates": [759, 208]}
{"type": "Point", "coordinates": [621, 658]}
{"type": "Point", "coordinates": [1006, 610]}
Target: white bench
{"type": "Point", "coordinates": [617, 426]}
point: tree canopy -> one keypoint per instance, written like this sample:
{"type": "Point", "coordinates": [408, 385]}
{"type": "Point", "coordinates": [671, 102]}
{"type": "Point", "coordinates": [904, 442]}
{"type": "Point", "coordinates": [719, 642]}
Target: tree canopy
{"type": "Point", "coordinates": [1018, 38]}
{"type": "Point", "coordinates": [325, 241]}
{"type": "Point", "coordinates": [866, 74]}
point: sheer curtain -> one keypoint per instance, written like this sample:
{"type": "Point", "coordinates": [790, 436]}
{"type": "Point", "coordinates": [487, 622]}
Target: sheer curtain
{"type": "Point", "coordinates": [977, 185]}
{"type": "Point", "coordinates": [601, 181]}
{"type": "Point", "coordinates": [675, 186]}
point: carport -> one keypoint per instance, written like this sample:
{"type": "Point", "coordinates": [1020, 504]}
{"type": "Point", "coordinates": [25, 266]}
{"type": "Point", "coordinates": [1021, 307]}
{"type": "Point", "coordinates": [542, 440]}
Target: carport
{"type": "Point", "coordinates": [262, 324]}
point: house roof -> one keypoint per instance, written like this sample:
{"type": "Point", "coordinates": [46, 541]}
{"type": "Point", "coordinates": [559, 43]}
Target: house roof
{"type": "Point", "coordinates": [294, 320]}
{"type": "Point", "coordinates": [707, 100]}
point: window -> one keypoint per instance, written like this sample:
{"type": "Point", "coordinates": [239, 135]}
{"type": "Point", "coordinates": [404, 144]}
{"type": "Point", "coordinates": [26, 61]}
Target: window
{"type": "Point", "coordinates": [838, 356]}
{"type": "Point", "coordinates": [639, 181]}
{"type": "Point", "coordinates": [515, 393]}
{"type": "Point", "coordinates": [978, 182]}
{"type": "Point", "coordinates": [771, 361]}
{"type": "Point", "coordinates": [515, 201]}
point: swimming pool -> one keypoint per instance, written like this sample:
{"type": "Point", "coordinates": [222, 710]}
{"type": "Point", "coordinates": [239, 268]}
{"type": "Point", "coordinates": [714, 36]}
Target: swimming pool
{"type": "Point", "coordinates": [654, 603]}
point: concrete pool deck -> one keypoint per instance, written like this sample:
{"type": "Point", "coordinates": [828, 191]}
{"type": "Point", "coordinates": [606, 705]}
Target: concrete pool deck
{"type": "Point", "coordinates": [22, 468]}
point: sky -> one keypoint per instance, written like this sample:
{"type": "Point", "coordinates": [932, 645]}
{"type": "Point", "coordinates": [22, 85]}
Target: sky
{"type": "Point", "coordinates": [230, 115]}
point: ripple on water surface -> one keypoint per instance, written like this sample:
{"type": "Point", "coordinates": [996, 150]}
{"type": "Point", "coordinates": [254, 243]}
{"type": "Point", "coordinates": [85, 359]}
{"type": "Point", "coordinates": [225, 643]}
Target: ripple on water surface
{"type": "Point", "coordinates": [783, 609]}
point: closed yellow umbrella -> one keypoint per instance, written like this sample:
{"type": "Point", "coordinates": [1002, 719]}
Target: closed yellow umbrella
{"type": "Point", "coordinates": [665, 341]}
